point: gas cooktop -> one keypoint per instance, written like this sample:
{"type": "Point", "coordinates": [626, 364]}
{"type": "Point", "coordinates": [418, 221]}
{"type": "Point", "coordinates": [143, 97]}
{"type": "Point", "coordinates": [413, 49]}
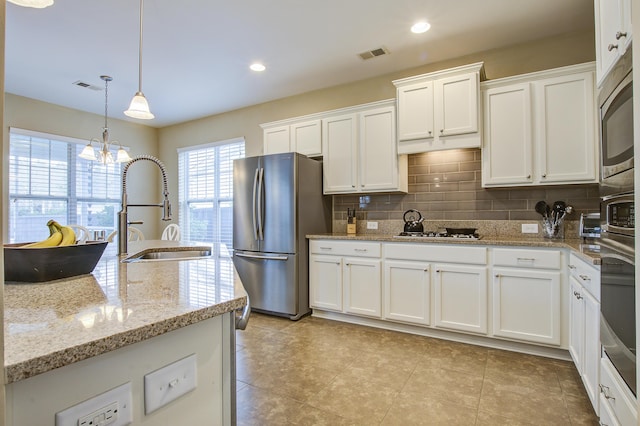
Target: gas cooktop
{"type": "Point", "coordinates": [443, 235]}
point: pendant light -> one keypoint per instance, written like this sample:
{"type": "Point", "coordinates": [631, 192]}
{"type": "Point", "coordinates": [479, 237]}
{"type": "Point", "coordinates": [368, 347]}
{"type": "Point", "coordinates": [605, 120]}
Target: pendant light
{"type": "Point", "coordinates": [139, 107]}
{"type": "Point", "coordinates": [37, 4]}
{"type": "Point", "coordinates": [104, 154]}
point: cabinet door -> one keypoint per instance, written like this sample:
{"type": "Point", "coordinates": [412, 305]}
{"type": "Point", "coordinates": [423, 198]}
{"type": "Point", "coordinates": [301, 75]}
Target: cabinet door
{"type": "Point", "coordinates": [362, 287]}
{"type": "Point", "coordinates": [415, 111]}
{"type": "Point", "coordinates": [407, 289]}
{"type": "Point", "coordinates": [576, 324]}
{"type": "Point", "coordinates": [565, 129]}
{"type": "Point", "coordinates": [507, 156]}
{"type": "Point", "coordinates": [591, 358]}
{"type": "Point", "coordinates": [526, 305]}
{"type": "Point", "coordinates": [456, 105]}
{"type": "Point", "coordinates": [339, 148]}
{"type": "Point", "coordinates": [306, 138]}
{"type": "Point", "coordinates": [378, 150]}
{"type": "Point", "coordinates": [461, 297]}
{"type": "Point", "coordinates": [608, 20]}
{"type": "Point", "coordinates": [325, 282]}
{"type": "Point", "coordinates": [276, 140]}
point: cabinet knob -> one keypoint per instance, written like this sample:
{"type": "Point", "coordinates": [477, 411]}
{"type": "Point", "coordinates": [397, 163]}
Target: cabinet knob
{"type": "Point", "coordinates": [353, 186]}
{"type": "Point", "coordinates": [429, 131]}
{"type": "Point", "coordinates": [426, 269]}
{"type": "Point", "coordinates": [438, 270]}
{"type": "Point", "coordinates": [528, 176]}
{"type": "Point", "coordinates": [497, 275]}
{"type": "Point", "coordinates": [441, 130]}
{"type": "Point", "coordinates": [619, 35]}
{"type": "Point", "coordinates": [544, 175]}
{"type": "Point", "coordinates": [611, 47]}
{"type": "Point", "coordinates": [604, 390]}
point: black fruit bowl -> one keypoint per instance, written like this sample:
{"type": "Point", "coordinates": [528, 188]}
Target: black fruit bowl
{"type": "Point", "coordinates": [24, 264]}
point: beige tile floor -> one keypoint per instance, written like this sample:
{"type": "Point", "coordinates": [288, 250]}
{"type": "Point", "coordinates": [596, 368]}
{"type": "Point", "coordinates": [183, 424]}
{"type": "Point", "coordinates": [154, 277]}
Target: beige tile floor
{"type": "Point", "coordinates": [322, 372]}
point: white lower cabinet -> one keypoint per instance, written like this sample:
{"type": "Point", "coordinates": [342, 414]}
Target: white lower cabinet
{"type": "Point", "coordinates": [584, 324]}
{"type": "Point", "coordinates": [407, 291]}
{"type": "Point", "coordinates": [527, 295]}
{"type": "Point", "coordinates": [345, 276]}
{"type": "Point", "coordinates": [617, 402]}
{"type": "Point", "coordinates": [461, 297]}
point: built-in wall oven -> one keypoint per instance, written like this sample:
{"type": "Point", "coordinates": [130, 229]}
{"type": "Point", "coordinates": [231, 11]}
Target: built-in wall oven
{"type": "Point", "coordinates": [617, 291]}
{"type": "Point", "coordinates": [617, 215]}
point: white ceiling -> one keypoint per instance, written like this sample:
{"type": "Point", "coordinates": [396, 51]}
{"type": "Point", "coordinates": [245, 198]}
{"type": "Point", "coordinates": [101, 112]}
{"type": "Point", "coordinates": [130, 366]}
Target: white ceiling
{"type": "Point", "coordinates": [197, 52]}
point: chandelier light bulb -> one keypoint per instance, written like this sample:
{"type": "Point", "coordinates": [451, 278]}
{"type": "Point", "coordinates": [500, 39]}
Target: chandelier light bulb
{"type": "Point", "coordinates": [37, 4]}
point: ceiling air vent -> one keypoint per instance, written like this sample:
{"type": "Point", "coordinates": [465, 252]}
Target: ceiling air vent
{"type": "Point", "coordinates": [373, 53]}
{"type": "Point", "coordinates": [87, 85]}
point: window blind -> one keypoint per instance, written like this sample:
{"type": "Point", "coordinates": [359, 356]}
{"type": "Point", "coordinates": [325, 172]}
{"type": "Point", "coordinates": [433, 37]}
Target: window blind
{"type": "Point", "coordinates": [205, 181]}
{"type": "Point", "coordinates": [47, 180]}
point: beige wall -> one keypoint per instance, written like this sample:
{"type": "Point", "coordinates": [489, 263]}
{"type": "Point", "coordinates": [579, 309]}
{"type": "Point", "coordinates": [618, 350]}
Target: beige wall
{"type": "Point", "coordinates": [543, 54]}
{"type": "Point", "coordinates": [43, 117]}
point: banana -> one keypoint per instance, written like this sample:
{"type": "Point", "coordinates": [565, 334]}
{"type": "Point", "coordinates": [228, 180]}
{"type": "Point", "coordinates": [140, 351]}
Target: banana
{"type": "Point", "coordinates": [68, 234]}
{"type": "Point", "coordinates": [54, 239]}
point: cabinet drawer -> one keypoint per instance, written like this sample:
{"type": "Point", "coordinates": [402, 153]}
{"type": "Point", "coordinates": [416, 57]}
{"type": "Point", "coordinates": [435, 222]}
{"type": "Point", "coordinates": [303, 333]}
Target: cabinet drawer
{"type": "Point", "coordinates": [345, 248]}
{"type": "Point", "coordinates": [437, 253]}
{"type": "Point", "coordinates": [586, 274]}
{"type": "Point", "coordinates": [520, 258]}
{"type": "Point", "coordinates": [619, 399]}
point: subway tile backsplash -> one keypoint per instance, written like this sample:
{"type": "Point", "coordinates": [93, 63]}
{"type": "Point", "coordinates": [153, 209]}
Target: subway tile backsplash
{"type": "Point", "coordinates": [446, 186]}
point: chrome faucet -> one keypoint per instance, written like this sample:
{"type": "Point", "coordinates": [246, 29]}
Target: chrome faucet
{"type": "Point", "coordinates": [123, 221]}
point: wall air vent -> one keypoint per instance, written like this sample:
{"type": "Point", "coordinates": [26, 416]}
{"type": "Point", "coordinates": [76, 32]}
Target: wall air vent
{"type": "Point", "coordinates": [87, 85]}
{"type": "Point", "coordinates": [374, 53]}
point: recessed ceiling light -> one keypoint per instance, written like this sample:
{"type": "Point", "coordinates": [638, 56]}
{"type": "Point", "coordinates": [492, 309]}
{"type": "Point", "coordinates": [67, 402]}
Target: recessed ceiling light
{"type": "Point", "coordinates": [257, 67]}
{"type": "Point", "coordinates": [420, 27]}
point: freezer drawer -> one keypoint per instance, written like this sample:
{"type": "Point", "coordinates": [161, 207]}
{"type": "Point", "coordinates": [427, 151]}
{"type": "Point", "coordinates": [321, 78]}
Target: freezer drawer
{"type": "Point", "coordinates": [271, 280]}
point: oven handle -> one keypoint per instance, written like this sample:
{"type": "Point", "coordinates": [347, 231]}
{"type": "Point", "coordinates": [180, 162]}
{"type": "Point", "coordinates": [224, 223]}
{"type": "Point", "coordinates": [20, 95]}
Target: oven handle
{"type": "Point", "coordinates": [617, 251]}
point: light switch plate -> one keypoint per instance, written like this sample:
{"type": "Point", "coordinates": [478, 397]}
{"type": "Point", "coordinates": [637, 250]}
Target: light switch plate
{"type": "Point", "coordinates": [169, 383]}
{"type": "Point", "coordinates": [114, 404]}
{"type": "Point", "coordinates": [529, 228]}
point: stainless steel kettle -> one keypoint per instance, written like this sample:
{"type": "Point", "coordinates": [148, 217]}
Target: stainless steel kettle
{"type": "Point", "coordinates": [413, 221]}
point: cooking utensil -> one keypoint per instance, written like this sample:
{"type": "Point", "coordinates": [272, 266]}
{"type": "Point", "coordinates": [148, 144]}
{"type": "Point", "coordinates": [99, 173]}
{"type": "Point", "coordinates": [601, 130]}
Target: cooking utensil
{"type": "Point", "coordinates": [413, 221]}
{"type": "Point", "coordinates": [541, 207]}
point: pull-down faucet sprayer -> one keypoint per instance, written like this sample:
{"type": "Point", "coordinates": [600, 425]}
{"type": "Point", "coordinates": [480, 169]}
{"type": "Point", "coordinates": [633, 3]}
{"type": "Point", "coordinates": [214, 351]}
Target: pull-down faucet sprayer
{"type": "Point", "coordinates": [123, 221]}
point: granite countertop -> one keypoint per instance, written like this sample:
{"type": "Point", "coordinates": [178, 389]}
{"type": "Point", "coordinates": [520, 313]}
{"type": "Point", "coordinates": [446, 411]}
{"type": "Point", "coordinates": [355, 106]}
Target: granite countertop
{"type": "Point", "coordinates": [588, 252]}
{"type": "Point", "coordinates": [52, 324]}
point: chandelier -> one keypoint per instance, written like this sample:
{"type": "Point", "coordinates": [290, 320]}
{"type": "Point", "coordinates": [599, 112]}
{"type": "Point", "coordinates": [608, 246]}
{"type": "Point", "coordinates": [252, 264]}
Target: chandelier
{"type": "Point", "coordinates": [104, 154]}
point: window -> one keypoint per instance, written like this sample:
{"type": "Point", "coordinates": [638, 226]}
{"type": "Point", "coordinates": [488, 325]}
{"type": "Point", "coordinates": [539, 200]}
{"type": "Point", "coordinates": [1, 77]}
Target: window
{"type": "Point", "coordinates": [206, 191]}
{"type": "Point", "coordinates": [47, 180]}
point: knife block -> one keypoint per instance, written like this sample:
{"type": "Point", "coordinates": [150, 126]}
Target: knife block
{"type": "Point", "coordinates": [351, 225]}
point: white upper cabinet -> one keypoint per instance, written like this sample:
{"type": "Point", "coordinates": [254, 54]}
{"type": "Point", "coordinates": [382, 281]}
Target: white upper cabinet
{"type": "Point", "coordinates": [295, 135]}
{"type": "Point", "coordinates": [613, 33]}
{"type": "Point", "coordinates": [540, 128]}
{"type": "Point", "coordinates": [439, 110]}
{"type": "Point", "coordinates": [276, 140]}
{"type": "Point", "coordinates": [360, 152]}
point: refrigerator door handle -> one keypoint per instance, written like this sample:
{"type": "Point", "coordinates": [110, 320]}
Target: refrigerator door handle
{"type": "Point", "coordinates": [260, 205]}
{"type": "Point", "coordinates": [255, 256]}
{"type": "Point", "coordinates": [253, 210]}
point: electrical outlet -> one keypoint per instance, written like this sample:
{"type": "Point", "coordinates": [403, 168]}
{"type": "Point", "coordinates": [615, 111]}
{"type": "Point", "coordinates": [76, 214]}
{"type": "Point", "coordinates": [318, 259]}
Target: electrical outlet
{"type": "Point", "coordinates": [111, 408]}
{"type": "Point", "coordinates": [169, 383]}
{"type": "Point", "coordinates": [529, 228]}
{"type": "Point", "coordinates": [372, 225]}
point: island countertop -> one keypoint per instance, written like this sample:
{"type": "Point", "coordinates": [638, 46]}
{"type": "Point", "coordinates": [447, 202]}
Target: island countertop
{"type": "Point", "coordinates": [52, 324]}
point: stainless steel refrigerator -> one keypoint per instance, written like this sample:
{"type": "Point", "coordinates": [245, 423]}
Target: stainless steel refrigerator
{"type": "Point", "coordinates": [277, 201]}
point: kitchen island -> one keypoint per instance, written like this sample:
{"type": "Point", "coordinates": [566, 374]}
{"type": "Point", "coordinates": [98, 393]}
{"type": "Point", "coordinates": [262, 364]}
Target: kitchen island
{"type": "Point", "coordinates": [69, 340]}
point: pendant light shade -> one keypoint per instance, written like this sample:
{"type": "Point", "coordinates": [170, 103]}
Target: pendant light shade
{"type": "Point", "coordinates": [139, 107]}
{"type": "Point", "coordinates": [38, 4]}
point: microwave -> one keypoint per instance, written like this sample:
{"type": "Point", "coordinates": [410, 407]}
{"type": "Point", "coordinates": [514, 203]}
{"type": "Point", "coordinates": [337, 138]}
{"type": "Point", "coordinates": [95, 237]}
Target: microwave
{"type": "Point", "coordinates": [615, 100]}
{"type": "Point", "coordinates": [618, 216]}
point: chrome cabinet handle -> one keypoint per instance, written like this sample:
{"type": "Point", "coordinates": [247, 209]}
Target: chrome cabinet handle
{"type": "Point", "coordinates": [611, 47]}
{"type": "Point", "coordinates": [585, 277]}
{"type": "Point", "coordinates": [361, 250]}
{"type": "Point", "coordinates": [326, 248]}
{"type": "Point", "coordinates": [620, 34]}
{"type": "Point", "coordinates": [604, 390]}
{"type": "Point", "coordinates": [577, 295]}
{"type": "Point", "coordinates": [526, 259]}
{"type": "Point", "coordinates": [572, 266]}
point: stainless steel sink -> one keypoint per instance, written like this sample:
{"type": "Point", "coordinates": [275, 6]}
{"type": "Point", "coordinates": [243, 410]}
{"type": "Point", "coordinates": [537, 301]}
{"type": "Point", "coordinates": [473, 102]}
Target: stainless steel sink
{"type": "Point", "coordinates": [169, 253]}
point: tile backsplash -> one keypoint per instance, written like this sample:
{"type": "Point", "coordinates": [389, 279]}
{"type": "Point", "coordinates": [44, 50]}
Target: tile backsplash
{"type": "Point", "coordinates": [446, 187]}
